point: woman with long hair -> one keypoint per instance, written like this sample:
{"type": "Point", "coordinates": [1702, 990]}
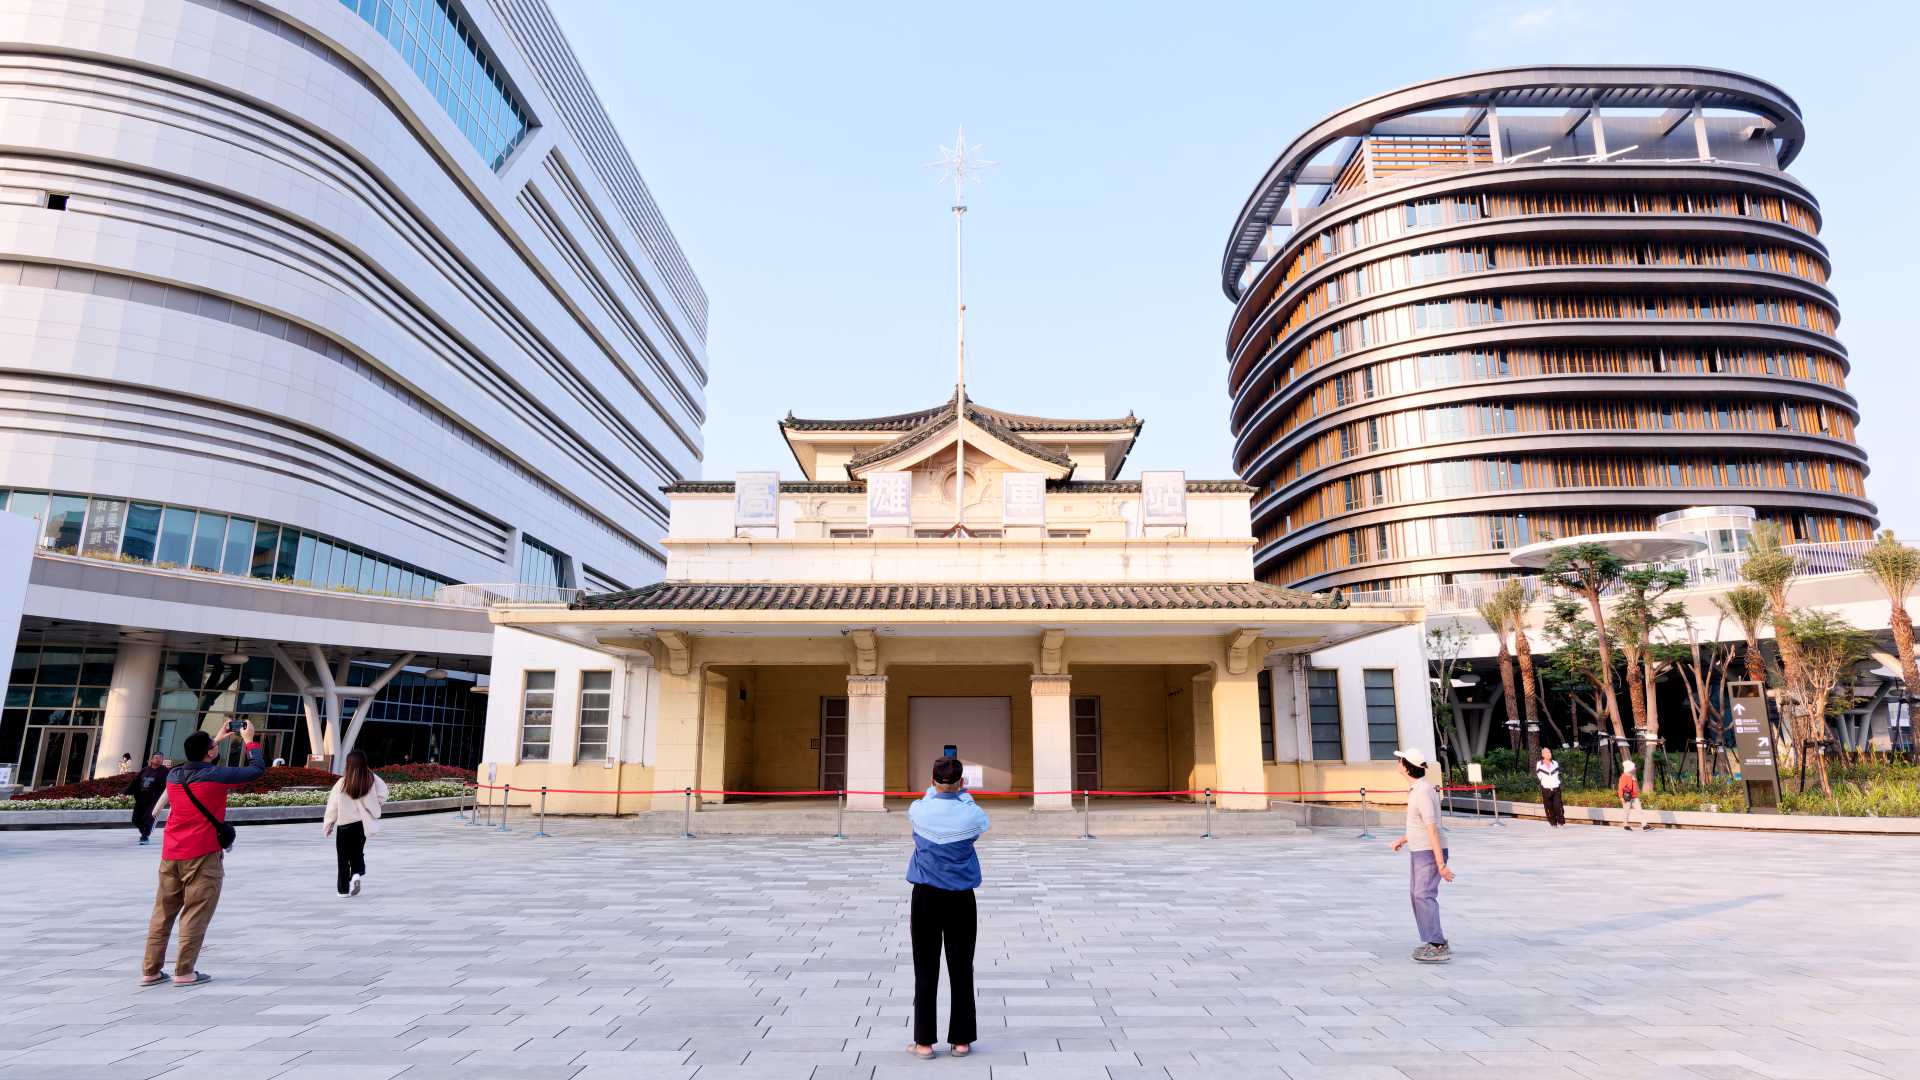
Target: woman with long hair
{"type": "Point", "coordinates": [353, 814]}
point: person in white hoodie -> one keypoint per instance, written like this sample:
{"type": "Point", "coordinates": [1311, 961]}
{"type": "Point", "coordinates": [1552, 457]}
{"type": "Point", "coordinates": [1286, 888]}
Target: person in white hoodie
{"type": "Point", "coordinates": [353, 814]}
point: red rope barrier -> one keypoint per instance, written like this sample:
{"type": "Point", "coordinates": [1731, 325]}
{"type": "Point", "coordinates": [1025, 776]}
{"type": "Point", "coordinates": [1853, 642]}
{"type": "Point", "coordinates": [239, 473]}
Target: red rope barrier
{"type": "Point", "coordinates": [916, 794]}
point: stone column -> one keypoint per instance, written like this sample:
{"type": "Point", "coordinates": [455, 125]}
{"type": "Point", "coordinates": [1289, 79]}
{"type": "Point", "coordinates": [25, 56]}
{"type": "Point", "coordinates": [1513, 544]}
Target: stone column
{"type": "Point", "coordinates": [866, 740]}
{"type": "Point", "coordinates": [713, 737]}
{"type": "Point", "coordinates": [1236, 740]}
{"type": "Point", "coordinates": [1203, 775]}
{"type": "Point", "coordinates": [1052, 740]}
{"type": "Point", "coordinates": [677, 742]}
{"type": "Point", "coordinates": [136, 668]}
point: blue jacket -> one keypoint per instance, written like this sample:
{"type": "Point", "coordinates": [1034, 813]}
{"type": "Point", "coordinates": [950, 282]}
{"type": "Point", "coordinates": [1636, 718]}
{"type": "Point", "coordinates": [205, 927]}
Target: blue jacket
{"type": "Point", "coordinates": [944, 828]}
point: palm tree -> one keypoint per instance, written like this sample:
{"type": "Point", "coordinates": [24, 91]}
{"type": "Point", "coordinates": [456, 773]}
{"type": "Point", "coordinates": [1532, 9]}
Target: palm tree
{"type": "Point", "coordinates": [1747, 607]}
{"type": "Point", "coordinates": [1826, 648]}
{"type": "Point", "coordinates": [1770, 566]}
{"type": "Point", "coordinates": [1640, 612]}
{"type": "Point", "coordinates": [1498, 612]}
{"type": "Point", "coordinates": [1896, 566]}
{"type": "Point", "coordinates": [1529, 684]}
{"type": "Point", "coordinates": [1590, 569]}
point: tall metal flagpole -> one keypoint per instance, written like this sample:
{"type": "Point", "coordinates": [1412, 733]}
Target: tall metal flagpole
{"type": "Point", "coordinates": [960, 162]}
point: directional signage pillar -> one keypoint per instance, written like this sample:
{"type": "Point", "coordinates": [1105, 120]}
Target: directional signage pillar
{"type": "Point", "coordinates": [1753, 742]}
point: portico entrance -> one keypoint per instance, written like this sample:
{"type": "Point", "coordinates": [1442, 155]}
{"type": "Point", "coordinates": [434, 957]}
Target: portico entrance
{"type": "Point", "coordinates": [977, 730]}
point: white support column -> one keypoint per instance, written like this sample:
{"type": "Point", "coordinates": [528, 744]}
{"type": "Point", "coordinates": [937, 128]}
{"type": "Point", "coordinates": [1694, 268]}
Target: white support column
{"type": "Point", "coordinates": [1493, 136]}
{"type": "Point", "coordinates": [866, 740]}
{"type": "Point", "coordinates": [1599, 130]}
{"type": "Point", "coordinates": [330, 695]}
{"type": "Point", "coordinates": [308, 704]}
{"type": "Point", "coordinates": [1700, 134]}
{"type": "Point", "coordinates": [365, 695]}
{"type": "Point", "coordinates": [1052, 740]}
{"type": "Point", "coordinates": [136, 670]}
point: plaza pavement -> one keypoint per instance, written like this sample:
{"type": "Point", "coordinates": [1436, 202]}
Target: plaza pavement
{"type": "Point", "coordinates": [602, 953]}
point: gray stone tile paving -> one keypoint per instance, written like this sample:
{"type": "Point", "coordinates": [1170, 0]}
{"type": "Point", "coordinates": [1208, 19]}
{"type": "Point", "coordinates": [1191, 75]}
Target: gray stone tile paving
{"type": "Point", "coordinates": [599, 952]}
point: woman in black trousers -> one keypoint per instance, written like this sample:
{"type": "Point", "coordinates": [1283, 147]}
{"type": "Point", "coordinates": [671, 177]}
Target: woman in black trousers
{"type": "Point", "coordinates": [944, 872]}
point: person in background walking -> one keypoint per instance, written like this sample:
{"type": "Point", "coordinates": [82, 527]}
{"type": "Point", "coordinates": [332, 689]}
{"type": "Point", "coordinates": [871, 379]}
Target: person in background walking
{"type": "Point", "coordinates": [146, 787]}
{"type": "Point", "coordinates": [1422, 839]}
{"type": "Point", "coordinates": [1629, 792]}
{"type": "Point", "coordinates": [945, 870]}
{"type": "Point", "coordinates": [353, 814]}
{"type": "Point", "coordinates": [191, 868]}
{"type": "Point", "coordinates": [1551, 798]}
{"type": "Point", "coordinates": [125, 766]}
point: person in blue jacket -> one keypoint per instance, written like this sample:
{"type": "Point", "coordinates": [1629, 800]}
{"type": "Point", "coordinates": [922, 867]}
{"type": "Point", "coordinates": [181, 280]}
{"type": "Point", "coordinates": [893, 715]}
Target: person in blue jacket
{"type": "Point", "coordinates": [944, 872]}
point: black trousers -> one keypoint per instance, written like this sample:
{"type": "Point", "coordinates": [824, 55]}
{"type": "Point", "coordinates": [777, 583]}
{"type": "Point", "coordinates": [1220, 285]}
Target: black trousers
{"type": "Point", "coordinates": [143, 815]}
{"type": "Point", "coordinates": [943, 916]}
{"type": "Point", "coordinates": [350, 852]}
{"type": "Point", "coordinates": [1556, 808]}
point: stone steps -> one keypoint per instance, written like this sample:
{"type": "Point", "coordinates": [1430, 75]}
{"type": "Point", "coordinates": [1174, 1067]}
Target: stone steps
{"type": "Point", "coordinates": [1008, 822]}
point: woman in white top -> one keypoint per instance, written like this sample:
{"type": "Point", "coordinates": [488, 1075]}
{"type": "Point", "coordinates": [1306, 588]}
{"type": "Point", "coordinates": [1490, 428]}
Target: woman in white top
{"type": "Point", "coordinates": [353, 814]}
{"type": "Point", "coordinates": [1548, 770]}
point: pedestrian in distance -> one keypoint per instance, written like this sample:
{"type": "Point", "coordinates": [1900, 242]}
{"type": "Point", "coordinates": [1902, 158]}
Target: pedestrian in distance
{"type": "Point", "coordinates": [1422, 840]}
{"type": "Point", "coordinates": [191, 864]}
{"type": "Point", "coordinates": [945, 871]}
{"type": "Point", "coordinates": [1629, 791]}
{"type": "Point", "coordinates": [147, 786]}
{"type": "Point", "coordinates": [124, 766]}
{"type": "Point", "coordinates": [353, 814]}
{"type": "Point", "coordinates": [1552, 799]}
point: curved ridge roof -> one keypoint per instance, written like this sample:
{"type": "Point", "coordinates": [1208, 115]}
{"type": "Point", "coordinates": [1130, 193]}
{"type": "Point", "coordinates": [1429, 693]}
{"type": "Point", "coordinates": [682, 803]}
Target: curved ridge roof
{"type": "Point", "coordinates": [1546, 85]}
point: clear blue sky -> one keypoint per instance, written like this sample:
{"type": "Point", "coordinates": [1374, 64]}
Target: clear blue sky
{"type": "Point", "coordinates": [785, 146]}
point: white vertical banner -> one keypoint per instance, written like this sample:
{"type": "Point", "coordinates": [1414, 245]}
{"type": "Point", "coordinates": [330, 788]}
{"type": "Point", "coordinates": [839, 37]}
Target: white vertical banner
{"type": "Point", "coordinates": [890, 498]}
{"type": "Point", "coordinates": [1023, 498]}
{"type": "Point", "coordinates": [756, 499]}
{"type": "Point", "coordinates": [1163, 497]}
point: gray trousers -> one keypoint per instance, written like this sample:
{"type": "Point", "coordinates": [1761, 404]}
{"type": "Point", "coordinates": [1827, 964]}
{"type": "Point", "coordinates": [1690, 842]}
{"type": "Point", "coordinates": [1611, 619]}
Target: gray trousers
{"type": "Point", "coordinates": [1426, 896]}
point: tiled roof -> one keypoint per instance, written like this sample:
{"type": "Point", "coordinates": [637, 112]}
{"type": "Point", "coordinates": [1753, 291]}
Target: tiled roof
{"type": "Point", "coordinates": [798, 487]}
{"type": "Point", "coordinates": [729, 596]}
{"type": "Point", "coordinates": [1016, 422]}
{"type": "Point", "coordinates": [981, 418]}
{"type": "Point", "coordinates": [854, 487]}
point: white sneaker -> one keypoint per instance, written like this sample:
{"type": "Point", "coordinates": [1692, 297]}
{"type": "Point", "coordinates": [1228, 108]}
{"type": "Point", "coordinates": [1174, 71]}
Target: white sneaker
{"type": "Point", "coordinates": [353, 887]}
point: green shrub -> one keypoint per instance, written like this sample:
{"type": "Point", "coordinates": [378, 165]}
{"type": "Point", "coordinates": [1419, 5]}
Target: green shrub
{"type": "Point", "coordinates": [402, 792]}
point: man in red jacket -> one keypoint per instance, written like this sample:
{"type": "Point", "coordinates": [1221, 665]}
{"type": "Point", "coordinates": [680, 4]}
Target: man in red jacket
{"type": "Point", "coordinates": [190, 864]}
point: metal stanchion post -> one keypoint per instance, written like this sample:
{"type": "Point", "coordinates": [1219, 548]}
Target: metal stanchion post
{"type": "Point", "coordinates": [1494, 789]}
{"type": "Point", "coordinates": [686, 832]}
{"type": "Point", "coordinates": [506, 792]}
{"type": "Point", "coordinates": [1364, 816]}
{"type": "Point", "coordinates": [840, 816]}
{"type": "Point", "coordinates": [541, 829]}
{"type": "Point", "coordinates": [1208, 796]}
{"type": "Point", "coordinates": [469, 805]}
{"type": "Point", "coordinates": [1086, 815]}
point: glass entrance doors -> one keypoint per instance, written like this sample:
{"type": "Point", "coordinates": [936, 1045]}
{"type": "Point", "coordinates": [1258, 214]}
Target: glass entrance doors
{"type": "Point", "coordinates": [66, 754]}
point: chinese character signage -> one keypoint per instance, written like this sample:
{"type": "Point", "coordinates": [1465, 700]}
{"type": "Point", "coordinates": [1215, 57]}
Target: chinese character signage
{"type": "Point", "coordinates": [890, 498]}
{"type": "Point", "coordinates": [1163, 498]}
{"type": "Point", "coordinates": [1024, 499]}
{"type": "Point", "coordinates": [1753, 744]}
{"type": "Point", "coordinates": [756, 499]}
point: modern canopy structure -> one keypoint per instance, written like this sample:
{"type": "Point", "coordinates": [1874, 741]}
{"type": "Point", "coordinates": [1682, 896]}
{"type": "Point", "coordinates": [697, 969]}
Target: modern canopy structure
{"type": "Point", "coordinates": [1484, 310]}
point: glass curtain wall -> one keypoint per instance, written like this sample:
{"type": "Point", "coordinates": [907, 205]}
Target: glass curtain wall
{"type": "Point", "coordinates": [171, 537]}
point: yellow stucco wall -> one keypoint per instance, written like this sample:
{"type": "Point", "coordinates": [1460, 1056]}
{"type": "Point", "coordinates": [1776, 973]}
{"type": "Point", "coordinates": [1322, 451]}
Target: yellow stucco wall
{"type": "Point", "coordinates": [1133, 724]}
{"type": "Point", "coordinates": [1382, 779]}
{"type": "Point", "coordinates": [908, 681]}
{"type": "Point", "coordinates": [527, 778]}
{"type": "Point", "coordinates": [786, 721]}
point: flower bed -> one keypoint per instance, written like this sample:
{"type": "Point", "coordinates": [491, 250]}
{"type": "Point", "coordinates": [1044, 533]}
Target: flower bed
{"type": "Point", "coordinates": [405, 791]}
{"type": "Point", "coordinates": [276, 778]}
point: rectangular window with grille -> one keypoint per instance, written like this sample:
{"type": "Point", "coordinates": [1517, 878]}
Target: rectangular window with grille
{"type": "Point", "coordinates": [1323, 714]}
{"type": "Point", "coordinates": [1383, 719]}
{"type": "Point", "coordinates": [1267, 753]}
{"type": "Point", "coordinates": [536, 717]}
{"type": "Point", "coordinates": [596, 707]}
{"type": "Point", "coordinates": [833, 743]}
{"type": "Point", "coordinates": [1086, 743]}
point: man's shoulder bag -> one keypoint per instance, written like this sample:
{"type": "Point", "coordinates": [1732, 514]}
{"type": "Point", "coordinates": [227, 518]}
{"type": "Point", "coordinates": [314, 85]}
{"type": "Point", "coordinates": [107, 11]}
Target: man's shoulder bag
{"type": "Point", "coordinates": [221, 830]}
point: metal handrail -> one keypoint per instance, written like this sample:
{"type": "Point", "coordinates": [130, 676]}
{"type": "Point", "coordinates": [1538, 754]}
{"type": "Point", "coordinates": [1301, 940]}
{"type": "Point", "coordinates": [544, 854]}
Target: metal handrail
{"type": "Point", "coordinates": [502, 594]}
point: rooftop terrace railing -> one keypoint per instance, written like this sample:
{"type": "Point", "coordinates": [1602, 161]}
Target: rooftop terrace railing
{"type": "Point", "coordinates": [505, 594]}
{"type": "Point", "coordinates": [1832, 557]}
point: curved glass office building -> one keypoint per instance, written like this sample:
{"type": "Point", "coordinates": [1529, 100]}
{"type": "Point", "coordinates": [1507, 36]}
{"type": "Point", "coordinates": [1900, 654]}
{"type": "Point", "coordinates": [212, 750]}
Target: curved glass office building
{"type": "Point", "coordinates": [1488, 309]}
{"type": "Point", "coordinates": [342, 300]}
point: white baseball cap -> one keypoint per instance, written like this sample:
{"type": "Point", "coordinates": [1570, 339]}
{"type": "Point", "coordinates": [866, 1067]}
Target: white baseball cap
{"type": "Point", "coordinates": [1412, 757]}
{"type": "Point", "coordinates": [1627, 765]}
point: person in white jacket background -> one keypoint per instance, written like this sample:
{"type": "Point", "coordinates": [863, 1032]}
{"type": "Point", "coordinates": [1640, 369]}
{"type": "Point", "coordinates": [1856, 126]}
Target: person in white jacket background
{"type": "Point", "coordinates": [353, 814]}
